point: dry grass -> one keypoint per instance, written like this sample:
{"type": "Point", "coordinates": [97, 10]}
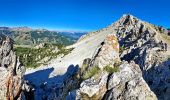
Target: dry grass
{"type": "Point", "coordinates": [111, 69]}
{"type": "Point", "coordinates": [166, 38]}
{"type": "Point", "coordinates": [91, 72]}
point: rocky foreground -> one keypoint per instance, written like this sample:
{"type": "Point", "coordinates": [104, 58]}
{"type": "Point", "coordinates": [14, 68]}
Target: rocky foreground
{"type": "Point", "coordinates": [129, 60]}
{"type": "Point", "coordinates": [11, 71]}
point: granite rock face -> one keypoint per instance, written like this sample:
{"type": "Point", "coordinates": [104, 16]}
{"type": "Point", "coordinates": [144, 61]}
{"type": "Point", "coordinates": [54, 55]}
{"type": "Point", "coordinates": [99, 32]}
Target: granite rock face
{"type": "Point", "coordinates": [11, 71]}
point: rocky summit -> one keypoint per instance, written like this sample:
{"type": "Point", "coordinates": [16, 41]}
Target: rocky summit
{"type": "Point", "coordinates": [115, 80]}
{"type": "Point", "coordinates": [128, 60]}
{"type": "Point", "coordinates": [147, 45]}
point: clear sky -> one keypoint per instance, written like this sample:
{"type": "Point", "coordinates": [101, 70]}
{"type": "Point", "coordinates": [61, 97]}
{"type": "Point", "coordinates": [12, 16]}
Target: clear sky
{"type": "Point", "coordinates": [80, 14]}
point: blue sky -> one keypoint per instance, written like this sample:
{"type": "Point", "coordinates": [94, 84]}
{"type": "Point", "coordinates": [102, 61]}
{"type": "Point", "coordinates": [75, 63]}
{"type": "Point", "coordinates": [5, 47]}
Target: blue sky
{"type": "Point", "coordinates": [80, 14]}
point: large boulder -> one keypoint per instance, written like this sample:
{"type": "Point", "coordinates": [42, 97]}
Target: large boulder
{"type": "Point", "coordinates": [93, 89]}
{"type": "Point", "coordinates": [128, 84]}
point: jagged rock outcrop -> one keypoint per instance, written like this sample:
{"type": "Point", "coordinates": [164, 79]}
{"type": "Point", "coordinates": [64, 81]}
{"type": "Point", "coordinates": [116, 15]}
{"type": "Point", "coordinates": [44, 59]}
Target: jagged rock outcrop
{"type": "Point", "coordinates": [11, 71]}
{"type": "Point", "coordinates": [148, 45]}
{"type": "Point", "coordinates": [126, 83]}
{"type": "Point", "coordinates": [27, 91]}
{"type": "Point", "coordinates": [108, 53]}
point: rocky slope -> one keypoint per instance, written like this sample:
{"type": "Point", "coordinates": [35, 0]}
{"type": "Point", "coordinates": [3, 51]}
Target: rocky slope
{"type": "Point", "coordinates": [11, 71]}
{"type": "Point", "coordinates": [58, 70]}
{"type": "Point", "coordinates": [129, 60]}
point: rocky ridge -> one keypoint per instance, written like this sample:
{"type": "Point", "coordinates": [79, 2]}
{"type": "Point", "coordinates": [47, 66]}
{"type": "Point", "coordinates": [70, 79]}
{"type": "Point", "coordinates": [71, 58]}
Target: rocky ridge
{"type": "Point", "coordinates": [126, 83]}
{"type": "Point", "coordinates": [148, 45]}
{"type": "Point", "coordinates": [126, 61]}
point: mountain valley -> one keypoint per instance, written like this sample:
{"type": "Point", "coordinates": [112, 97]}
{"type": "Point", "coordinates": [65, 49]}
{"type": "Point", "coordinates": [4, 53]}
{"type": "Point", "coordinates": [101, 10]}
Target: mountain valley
{"type": "Point", "coordinates": [128, 60]}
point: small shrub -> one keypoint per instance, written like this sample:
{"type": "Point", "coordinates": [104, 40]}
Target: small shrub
{"type": "Point", "coordinates": [122, 49]}
{"type": "Point", "coordinates": [117, 64]}
{"type": "Point", "coordinates": [91, 72]}
{"type": "Point", "coordinates": [110, 69]}
{"type": "Point", "coordinates": [83, 68]}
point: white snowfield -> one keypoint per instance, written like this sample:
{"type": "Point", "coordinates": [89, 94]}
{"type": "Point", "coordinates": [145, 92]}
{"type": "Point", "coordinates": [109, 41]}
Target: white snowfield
{"type": "Point", "coordinates": [83, 49]}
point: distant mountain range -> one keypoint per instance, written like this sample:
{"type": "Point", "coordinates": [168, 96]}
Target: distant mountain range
{"type": "Point", "coordinates": [75, 35]}
{"type": "Point", "coordinates": [29, 36]}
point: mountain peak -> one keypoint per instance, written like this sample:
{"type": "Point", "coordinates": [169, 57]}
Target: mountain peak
{"type": "Point", "coordinates": [128, 19]}
{"type": "Point", "coordinates": [127, 15]}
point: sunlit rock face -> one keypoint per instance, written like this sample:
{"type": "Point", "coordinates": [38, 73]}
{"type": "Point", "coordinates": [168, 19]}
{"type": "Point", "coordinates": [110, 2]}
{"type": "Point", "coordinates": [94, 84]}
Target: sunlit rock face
{"type": "Point", "coordinates": [11, 71]}
{"type": "Point", "coordinates": [128, 84]}
{"type": "Point", "coordinates": [93, 88]}
{"type": "Point", "coordinates": [108, 53]}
